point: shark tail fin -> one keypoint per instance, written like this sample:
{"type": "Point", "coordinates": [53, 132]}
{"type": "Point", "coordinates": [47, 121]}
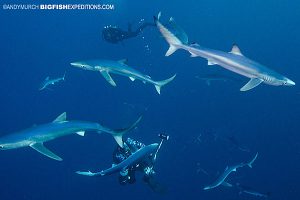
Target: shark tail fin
{"type": "Point", "coordinates": [159, 84]}
{"type": "Point", "coordinates": [252, 161]}
{"type": "Point", "coordinates": [173, 34]}
{"type": "Point", "coordinates": [118, 133]}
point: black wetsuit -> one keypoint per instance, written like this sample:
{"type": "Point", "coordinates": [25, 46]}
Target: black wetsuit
{"type": "Point", "coordinates": [128, 175]}
{"type": "Point", "coordinates": [114, 35]}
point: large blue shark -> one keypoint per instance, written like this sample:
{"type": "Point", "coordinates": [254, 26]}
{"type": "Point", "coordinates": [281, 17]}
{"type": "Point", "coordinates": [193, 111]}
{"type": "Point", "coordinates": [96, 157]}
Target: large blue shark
{"type": "Point", "coordinates": [35, 137]}
{"type": "Point", "coordinates": [221, 179]}
{"type": "Point", "coordinates": [133, 159]}
{"type": "Point", "coordinates": [105, 67]}
{"type": "Point", "coordinates": [234, 60]}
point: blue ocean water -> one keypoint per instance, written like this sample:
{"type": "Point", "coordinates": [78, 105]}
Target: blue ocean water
{"type": "Point", "coordinates": [200, 119]}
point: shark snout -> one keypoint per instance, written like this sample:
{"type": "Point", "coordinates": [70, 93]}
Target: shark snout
{"type": "Point", "coordinates": [76, 64]}
{"type": "Point", "coordinates": [289, 82]}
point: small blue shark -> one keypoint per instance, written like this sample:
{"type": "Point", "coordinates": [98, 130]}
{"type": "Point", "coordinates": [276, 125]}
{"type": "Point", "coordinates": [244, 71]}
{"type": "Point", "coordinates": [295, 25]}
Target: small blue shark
{"type": "Point", "coordinates": [234, 60]}
{"type": "Point", "coordinates": [250, 191]}
{"type": "Point", "coordinates": [105, 67]}
{"type": "Point", "coordinates": [47, 82]}
{"type": "Point", "coordinates": [221, 179]}
{"type": "Point", "coordinates": [133, 159]}
{"type": "Point", "coordinates": [36, 136]}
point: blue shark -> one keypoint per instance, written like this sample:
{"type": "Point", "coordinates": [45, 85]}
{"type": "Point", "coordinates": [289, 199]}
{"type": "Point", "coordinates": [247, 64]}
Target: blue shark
{"type": "Point", "coordinates": [132, 160]}
{"type": "Point", "coordinates": [36, 136]}
{"type": "Point", "coordinates": [47, 82]}
{"type": "Point", "coordinates": [105, 67]}
{"type": "Point", "coordinates": [233, 61]}
{"type": "Point", "coordinates": [221, 179]}
{"type": "Point", "coordinates": [250, 191]}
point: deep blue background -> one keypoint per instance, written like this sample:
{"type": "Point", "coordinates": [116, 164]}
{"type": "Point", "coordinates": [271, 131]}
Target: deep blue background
{"type": "Point", "coordinates": [36, 44]}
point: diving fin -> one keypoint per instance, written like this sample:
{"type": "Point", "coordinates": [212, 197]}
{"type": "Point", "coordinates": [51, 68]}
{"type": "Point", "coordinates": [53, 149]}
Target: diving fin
{"type": "Point", "coordinates": [109, 79]}
{"type": "Point", "coordinates": [251, 84]}
{"type": "Point", "coordinates": [43, 150]}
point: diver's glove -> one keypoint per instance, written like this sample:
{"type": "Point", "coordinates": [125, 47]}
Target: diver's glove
{"type": "Point", "coordinates": [124, 172]}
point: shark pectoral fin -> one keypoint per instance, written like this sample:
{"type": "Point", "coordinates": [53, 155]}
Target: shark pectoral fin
{"type": "Point", "coordinates": [43, 150]}
{"type": "Point", "coordinates": [171, 50]}
{"type": "Point", "coordinates": [193, 55]}
{"type": "Point", "coordinates": [251, 84]}
{"type": "Point", "coordinates": [211, 62]}
{"type": "Point", "coordinates": [226, 184]}
{"type": "Point", "coordinates": [131, 78]}
{"type": "Point", "coordinates": [61, 118]}
{"type": "Point", "coordinates": [81, 133]}
{"type": "Point", "coordinates": [109, 79]}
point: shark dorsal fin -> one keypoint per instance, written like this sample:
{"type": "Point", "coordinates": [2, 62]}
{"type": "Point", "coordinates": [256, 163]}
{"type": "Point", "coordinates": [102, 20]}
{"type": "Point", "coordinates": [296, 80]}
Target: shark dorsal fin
{"type": "Point", "coordinates": [62, 117]}
{"type": "Point", "coordinates": [236, 50]}
{"type": "Point", "coordinates": [47, 78]}
{"type": "Point", "coordinates": [123, 61]}
{"type": "Point", "coordinates": [194, 44]}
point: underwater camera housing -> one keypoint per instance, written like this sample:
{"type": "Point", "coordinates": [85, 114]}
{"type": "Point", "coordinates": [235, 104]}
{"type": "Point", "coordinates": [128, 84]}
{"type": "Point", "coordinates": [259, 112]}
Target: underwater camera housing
{"type": "Point", "coordinates": [163, 136]}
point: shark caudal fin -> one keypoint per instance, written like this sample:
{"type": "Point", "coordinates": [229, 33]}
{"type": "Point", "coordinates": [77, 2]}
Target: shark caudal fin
{"type": "Point", "coordinates": [252, 161]}
{"type": "Point", "coordinates": [118, 133]}
{"type": "Point", "coordinates": [173, 34]}
{"type": "Point", "coordinates": [159, 84]}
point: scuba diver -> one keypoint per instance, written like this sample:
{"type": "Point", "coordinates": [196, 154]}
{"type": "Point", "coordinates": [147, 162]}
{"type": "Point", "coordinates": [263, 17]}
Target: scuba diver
{"type": "Point", "coordinates": [127, 175]}
{"type": "Point", "coordinates": [114, 34]}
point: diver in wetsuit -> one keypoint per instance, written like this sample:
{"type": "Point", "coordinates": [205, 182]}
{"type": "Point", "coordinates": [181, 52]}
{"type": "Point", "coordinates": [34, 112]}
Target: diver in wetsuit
{"type": "Point", "coordinates": [114, 34]}
{"type": "Point", "coordinates": [127, 176]}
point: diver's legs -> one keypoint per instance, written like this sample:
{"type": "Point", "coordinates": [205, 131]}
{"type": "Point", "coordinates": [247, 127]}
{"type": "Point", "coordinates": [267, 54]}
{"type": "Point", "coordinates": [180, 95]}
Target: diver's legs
{"type": "Point", "coordinates": [154, 185]}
